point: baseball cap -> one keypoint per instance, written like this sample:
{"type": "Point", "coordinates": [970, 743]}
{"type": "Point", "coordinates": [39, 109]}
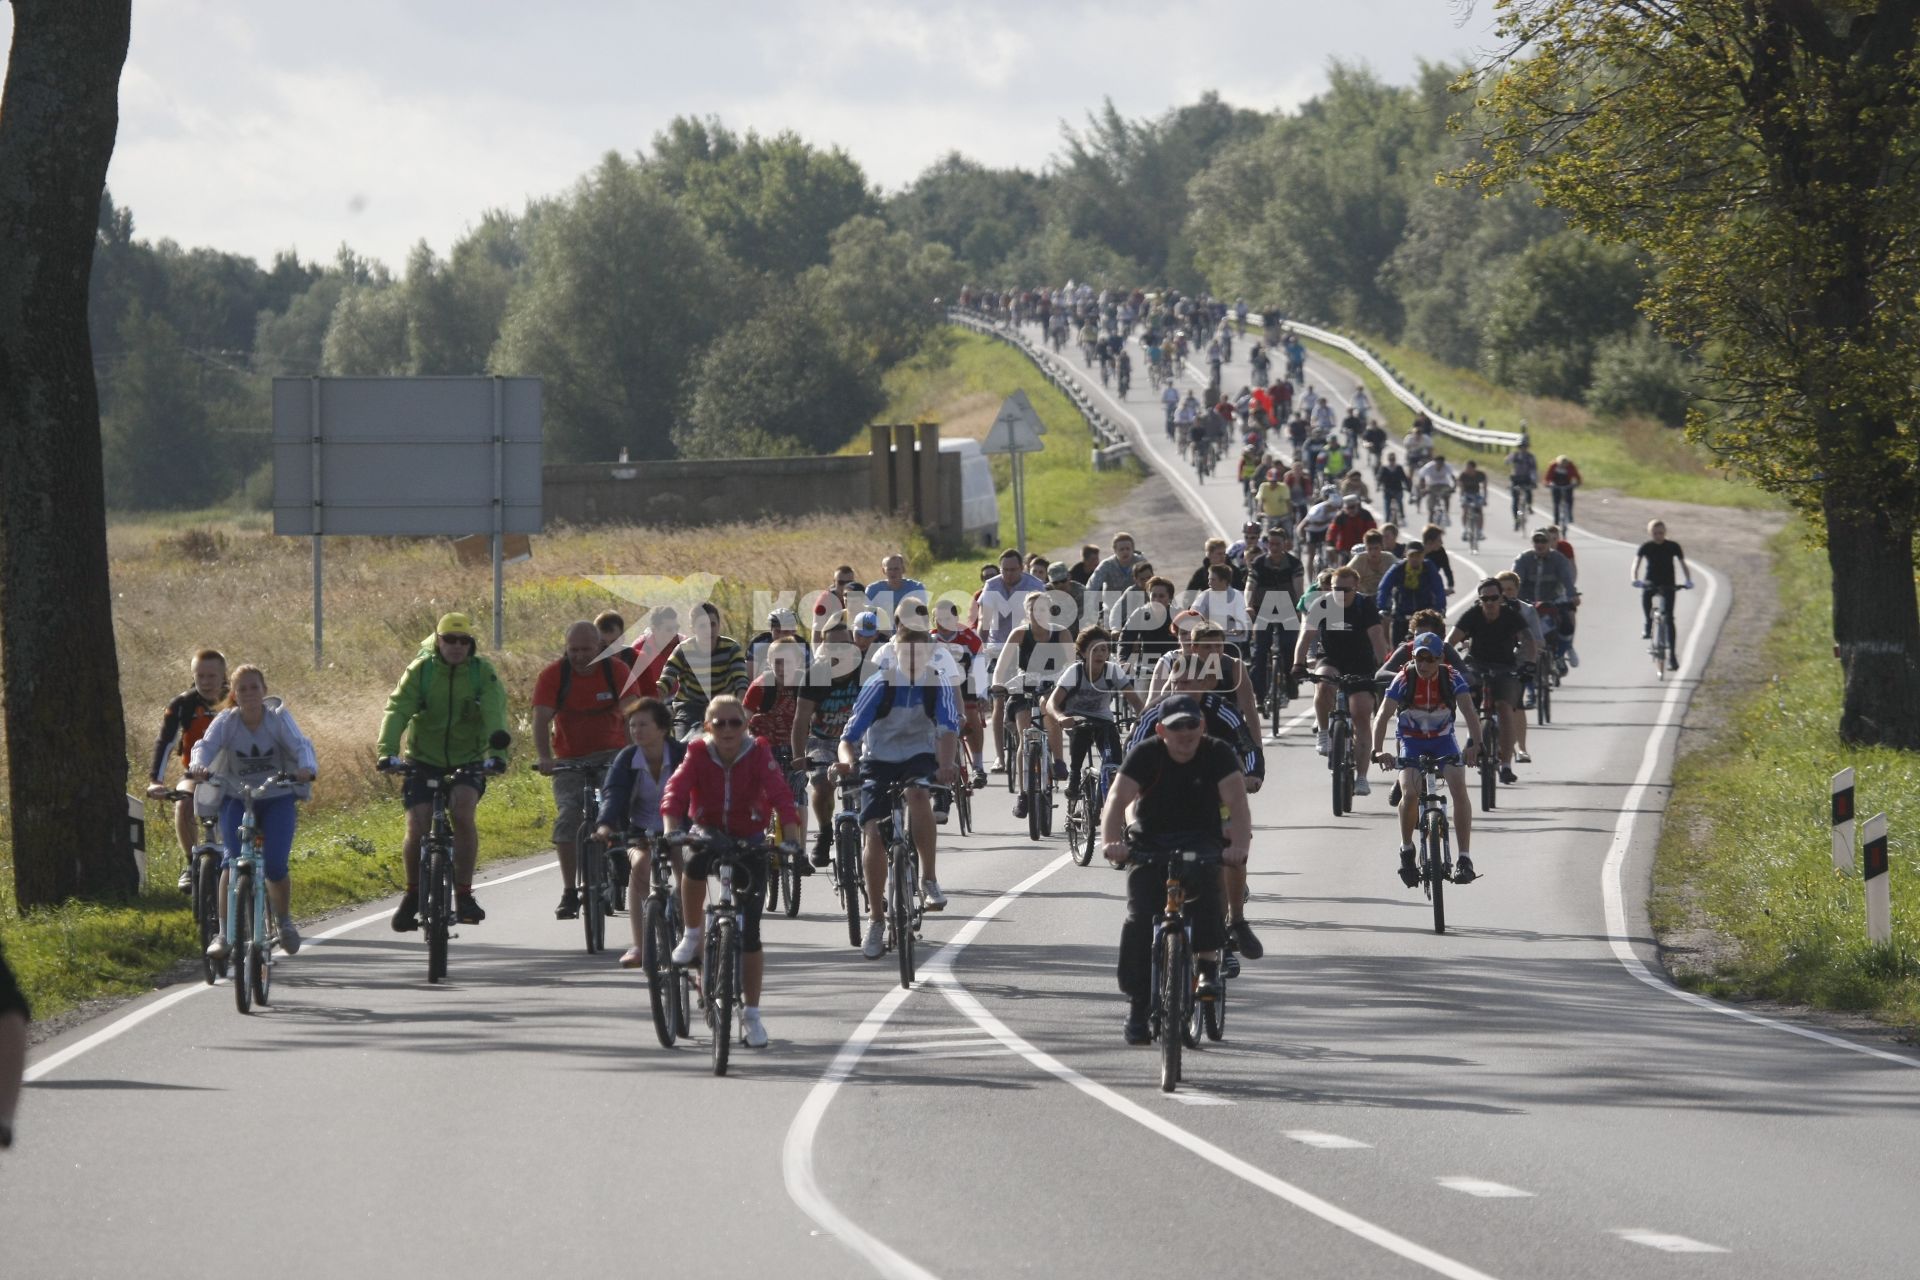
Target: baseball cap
{"type": "Point", "coordinates": [1352, 500]}
{"type": "Point", "coordinates": [454, 624]}
{"type": "Point", "coordinates": [1057, 571]}
{"type": "Point", "coordinates": [784, 619]}
{"type": "Point", "coordinates": [867, 624]}
{"type": "Point", "coordinates": [1427, 642]}
{"type": "Point", "coordinates": [1181, 710]}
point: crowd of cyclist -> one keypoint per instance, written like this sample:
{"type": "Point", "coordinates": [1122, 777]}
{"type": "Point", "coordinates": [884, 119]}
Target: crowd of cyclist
{"type": "Point", "coordinates": [1157, 673]}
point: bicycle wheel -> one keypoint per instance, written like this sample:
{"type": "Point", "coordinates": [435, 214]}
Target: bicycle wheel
{"type": "Point", "coordinates": [593, 893]}
{"type": "Point", "coordinates": [241, 925]}
{"type": "Point", "coordinates": [261, 979]}
{"type": "Point", "coordinates": [900, 908]}
{"type": "Point", "coordinates": [1338, 763]}
{"type": "Point", "coordinates": [790, 881]}
{"type": "Point", "coordinates": [963, 806]}
{"type": "Point", "coordinates": [206, 910]}
{"type": "Point", "coordinates": [1030, 777]}
{"type": "Point", "coordinates": [1276, 692]}
{"type": "Point", "coordinates": [1435, 839]}
{"type": "Point", "coordinates": [1214, 1013]}
{"type": "Point", "coordinates": [846, 840]}
{"type": "Point", "coordinates": [1079, 819]}
{"type": "Point", "coordinates": [438, 910]}
{"type": "Point", "coordinates": [656, 944]}
{"type": "Point", "coordinates": [1176, 988]}
{"type": "Point", "coordinates": [1543, 696]}
{"type": "Point", "coordinates": [1045, 799]}
{"type": "Point", "coordinates": [719, 979]}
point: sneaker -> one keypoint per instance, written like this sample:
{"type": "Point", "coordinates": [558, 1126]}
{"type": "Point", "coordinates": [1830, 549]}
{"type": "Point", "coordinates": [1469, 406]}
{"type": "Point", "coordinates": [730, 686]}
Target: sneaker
{"type": "Point", "coordinates": [466, 910]}
{"type": "Point", "coordinates": [1393, 796]}
{"type": "Point", "coordinates": [1521, 757]}
{"type": "Point", "coordinates": [1243, 938]}
{"type": "Point", "coordinates": [1560, 667]}
{"type": "Point", "coordinates": [289, 936]}
{"type": "Point", "coordinates": [753, 1033]}
{"type": "Point", "coordinates": [1136, 1032]}
{"type": "Point", "coordinates": [1573, 656]}
{"type": "Point", "coordinates": [1000, 765]}
{"type": "Point", "coordinates": [630, 958]}
{"type": "Point", "coordinates": [1207, 983]}
{"type": "Point", "coordinates": [942, 811]}
{"type": "Point", "coordinates": [1323, 743]}
{"type": "Point", "coordinates": [1230, 964]}
{"type": "Point", "coordinates": [186, 881]}
{"type": "Point", "coordinates": [1508, 776]}
{"type": "Point", "coordinates": [823, 849]}
{"type": "Point", "coordinates": [688, 949]}
{"type": "Point", "coordinates": [1020, 805]}
{"type": "Point", "coordinates": [1361, 787]}
{"type": "Point", "coordinates": [979, 779]}
{"type": "Point", "coordinates": [1463, 872]}
{"type": "Point", "coordinates": [1059, 770]}
{"type": "Point", "coordinates": [219, 949]}
{"type": "Point", "coordinates": [1646, 632]}
{"type": "Point", "coordinates": [406, 916]}
{"type": "Point", "coordinates": [1409, 871]}
{"type": "Point", "coordinates": [805, 866]}
{"type": "Point", "coordinates": [876, 944]}
{"type": "Point", "coordinates": [569, 908]}
{"type": "Point", "coordinates": [931, 899]}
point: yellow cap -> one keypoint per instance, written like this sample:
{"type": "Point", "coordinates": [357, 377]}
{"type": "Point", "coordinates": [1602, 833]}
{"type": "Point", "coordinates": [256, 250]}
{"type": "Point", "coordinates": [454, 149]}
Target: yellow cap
{"type": "Point", "coordinates": [454, 624]}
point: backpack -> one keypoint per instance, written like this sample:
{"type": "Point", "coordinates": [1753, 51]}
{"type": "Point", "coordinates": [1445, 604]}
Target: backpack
{"type": "Point", "coordinates": [566, 682]}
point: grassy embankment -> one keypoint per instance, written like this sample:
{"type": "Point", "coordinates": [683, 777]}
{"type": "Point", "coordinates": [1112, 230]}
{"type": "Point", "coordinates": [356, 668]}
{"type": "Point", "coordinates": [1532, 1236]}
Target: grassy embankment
{"type": "Point", "coordinates": [1635, 455]}
{"type": "Point", "coordinates": [1745, 848]}
{"type": "Point", "coordinates": [221, 578]}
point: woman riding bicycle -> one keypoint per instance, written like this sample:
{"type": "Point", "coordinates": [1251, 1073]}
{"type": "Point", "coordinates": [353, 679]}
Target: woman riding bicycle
{"type": "Point", "coordinates": [249, 742]}
{"type": "Point", "coordinates": [1082, 701]}
{"type": "Point", "coordinates": [1035, 655]}
{"type": "Point", "coordinates": [636, 783]}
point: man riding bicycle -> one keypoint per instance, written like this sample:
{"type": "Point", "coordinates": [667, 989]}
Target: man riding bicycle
{"type": "Point", "coordinates": [1423, 699]}
{"type": "Point", "coordinates": [1497, 640]}
{"type": "Point", "coordinates": [577, 722]}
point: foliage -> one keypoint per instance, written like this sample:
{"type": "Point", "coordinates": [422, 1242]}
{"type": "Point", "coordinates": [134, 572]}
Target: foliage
{"type": "Point", "coordinates": [1559, 298]}
{"type": "Point", "coordinates": [881, 287]}
{"type": "Point", "coordinates": [1635, 372]}
{"type": "Point", "coordinates": [981, 214]}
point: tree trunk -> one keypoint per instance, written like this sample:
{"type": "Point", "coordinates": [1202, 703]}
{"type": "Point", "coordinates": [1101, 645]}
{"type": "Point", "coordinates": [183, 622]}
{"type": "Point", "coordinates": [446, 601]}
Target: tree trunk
{"type": "Point", "coordinates": [1876, 625]}
{"type": "Point", "coordinates": [66, 732]}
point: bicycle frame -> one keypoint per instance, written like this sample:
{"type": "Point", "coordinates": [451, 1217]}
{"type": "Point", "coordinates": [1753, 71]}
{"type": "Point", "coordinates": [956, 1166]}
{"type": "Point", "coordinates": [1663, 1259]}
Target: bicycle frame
{"type": "Point", "coordinates": [251, 953]}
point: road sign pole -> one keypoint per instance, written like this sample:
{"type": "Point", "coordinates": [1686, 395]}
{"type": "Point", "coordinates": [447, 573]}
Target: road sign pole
{"type": "Point", "coordinates": [499, 512]}
{"type": "Point", "coordinates": [1843, 820]}
{"type": "Point", "coordinates": [1873, 867]}
{"type": "Point", "coordinates": [1020, 502]}
{"type": "Point", "coordinates": [319, 553]}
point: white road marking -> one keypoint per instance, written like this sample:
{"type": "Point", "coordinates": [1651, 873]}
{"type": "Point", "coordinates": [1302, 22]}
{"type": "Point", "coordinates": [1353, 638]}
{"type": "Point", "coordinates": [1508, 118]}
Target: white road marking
{"type": "Point", "coordinates": [1327, 1141]}
{"type": "Point", "coordinates": [1192, 1097]}
{"type": "Point", "coordinates": [116, 1029]}
{"type": "Point", "coordinates": [918, 1046]}
{"type": "Point", "coordinates": [998, 1051]}
{"type": "Point", "coordinates": [1665, 1242]}
{"type": "Point", "coordinates": [1484, 1189]}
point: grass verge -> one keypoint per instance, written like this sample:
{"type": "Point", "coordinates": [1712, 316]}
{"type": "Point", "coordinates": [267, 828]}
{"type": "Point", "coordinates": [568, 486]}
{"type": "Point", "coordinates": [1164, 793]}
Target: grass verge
{"type": "Point", "coordinates": [1635, 455]}
{"type": "Point", "coordinates": [1745, 847]}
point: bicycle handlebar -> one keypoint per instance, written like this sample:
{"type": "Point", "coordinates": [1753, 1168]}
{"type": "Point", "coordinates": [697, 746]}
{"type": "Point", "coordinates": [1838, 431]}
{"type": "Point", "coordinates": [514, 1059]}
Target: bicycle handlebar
{"type": "Point", "coordinates": [413, 768]}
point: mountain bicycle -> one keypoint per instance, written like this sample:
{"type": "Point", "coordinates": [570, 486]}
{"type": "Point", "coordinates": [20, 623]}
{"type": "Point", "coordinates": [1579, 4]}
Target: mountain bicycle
{"type": "Point", "coordinates": [1662, 647]}
{"type": "Point", "coordinates": [1436, 857]}
{"type": "Point", "coordinates": [203, 882]}
{"type": "Point", "coordinates": [783, 873]}
{"type": "Point", "coordinates": [249, 941]}
{"type": "Point", "coordinates": [1174, 1016]}
{"type": "Point", "coordinates": [1562, 504]}
{"type": "Point", "coordinates": [1086, 797]}
{"type": "Point", "coordinates": [1488, 762]}
{"type": "Point", "coordinates": [1282, 688]}
{"type": "Point", "coordinates": [848, 879]}
{"type": "Point", "coordinates": [963, 786]}
{"type": "Point", "coordinates": [1340, 760]}
{"type": "Point", "coordinates": [1473, 519]}
{"type": "Point", "coordinates": [722, 965]}
{"type": "Point", "coordinates": [1036, 773]}
{"type": "Point", "coordinates": [593, 874]}
{"type": "Point", "coordinates": [437, 869]}
{"type": "Point", "coordinates": [669, 986]}
{"type": "Point", "coordinates": [904, 910]}
{"type": "Point", "coordinates": [1522, 495]}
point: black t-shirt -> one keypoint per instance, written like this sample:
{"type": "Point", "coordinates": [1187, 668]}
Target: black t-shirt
{"type": "Point", "coordinates": [1267, 572]}
{"type": "Point", "coordinates": [1495, 639]}
{"type": "Point", "coordinates": [1343, 631]}
{"type": "Point", "coordinates": [1660, 558]}
{"type": "Point", "coordinates": [1393, 479]}
{"type": "Point", "coordinates": [1180, 797]}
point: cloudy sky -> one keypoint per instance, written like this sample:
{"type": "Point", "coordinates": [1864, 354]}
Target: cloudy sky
{"type": "Point", "coordinates": [257, 125]}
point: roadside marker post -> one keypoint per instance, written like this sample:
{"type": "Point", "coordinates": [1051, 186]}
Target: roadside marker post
{"type": "Point", "coordinates": [1016, 431]}
{"type": "Point", "coordinates": [1843, 820]}
{"type": "Point", "coordinates": [1873, 869]}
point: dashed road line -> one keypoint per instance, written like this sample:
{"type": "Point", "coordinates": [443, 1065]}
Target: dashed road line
{"type": "Point", "coordinates": [1327, 1141]}
{"type": "Point", "coordinates": [1666, 1242]}
{"type": "Point", "coordinates": [1484, 1189]}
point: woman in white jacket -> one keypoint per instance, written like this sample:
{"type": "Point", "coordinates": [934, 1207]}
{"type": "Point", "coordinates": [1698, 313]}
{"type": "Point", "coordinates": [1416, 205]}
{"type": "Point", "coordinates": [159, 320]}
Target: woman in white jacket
{"type": "Point", "coordinates": [254, 738]}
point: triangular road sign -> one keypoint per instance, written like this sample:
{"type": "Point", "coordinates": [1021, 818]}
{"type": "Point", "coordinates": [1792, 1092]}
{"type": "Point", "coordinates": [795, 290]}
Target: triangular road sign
{"type": "Point", "coordinates": [1016, 429]}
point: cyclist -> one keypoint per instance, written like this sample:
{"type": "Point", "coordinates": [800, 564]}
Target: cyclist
{"type": "Point", "coordinates": [1371, 562]}
{"type": "Point", "coordinates": [649, 658]}
{"type": "Point", "coordinates": [1146, 632]}
{"type": "Point", "coordinates": [885, 595]}
{"type": "Point", "coordinates": [1029, 665]}
{"type": "Point", "coordinates": [1001, 606]}
{"type": "Point", "coordinates": [1537, 628]}
{"type": "Point", "coordinates": [1434, 482]}
{"type": "Point", "coordinates": [1216, 555]}
{"type": "Point", "coordinates": [1523, 473]}
{"type": "Point", "coordinates": [1427, 622]}
{"type": "Point", "coordinates": [1249, 544]}
{"type": "Point", "coordinates": [1407, 587]}
{"type": "Point", "coordinates": [1350, 528]}
{"type": "Point", "coordinates": [448, 705]}
{"type": "Point", "coordinates": [1393, 488]}
{"type": "Point", "coordinates": [1473, 491]}
{"type": "Point", "coordinates": [1123, 373]}
{"type": "Point", "coordinates": [1169, 395]}
{"type": "Point", "coordinates": [773, 705]}
{"type": "Point", "coordinates": [576, 721]}
{"type": "Point", "coordinates": [1275, 579]}
{"type": "Point", "coordinates": [1184, 418]}
{"type": "Point", "coordinates": [1069, 598]}
{"type": "Point", "coordinates": [904, 728]}
{"type": "Point", "coordinates": [1124, 605]}
{"type": "Point", "coordinates": [1374, 437]}
{"type": "Point", "coordinates": [1562, 479]}
{"type": "Point", "coordinates": [1353, 484]}
{"type": "Point", "coordinates": [1423, 700]}
{"type": "Point", "coordinates": [252, 739]}
{"type": "Point", "coordinates": [1418, 445]}
{"type": "Point", "coordinates": [964, 647]}
{"type": "Point", "coordinates": [1081, 704]}
{"type": "Point", "coordinates": [729, 784]}
{"type": "Point", "coordinates": [1176, 785]}
{"type": "Point", "coordinates": [1546, 577]}
{"type": "Point", "coordinates": [1226, 605]}
{"type": "Point", "coordinates": [1111, 578]}
{"type": "Point", "coordinates": [1660, 556]}
{"type": "Point", "coordinates": [186, 719]}
{"type": "Point", "coordinates": [1347, 627]}
{"type": "Point", "coordinates": [1497, 639]}
{"type": "Point", "coordinates": [1433, 542]}
{"type": "Point", "coordinates": [704, 666]}
{"type": "Point", "coordinates": [1312, 530]}
{"type": "Point", "coordinates": [821, 707]}
{"type": "Point", "coordinates": [635, 784]}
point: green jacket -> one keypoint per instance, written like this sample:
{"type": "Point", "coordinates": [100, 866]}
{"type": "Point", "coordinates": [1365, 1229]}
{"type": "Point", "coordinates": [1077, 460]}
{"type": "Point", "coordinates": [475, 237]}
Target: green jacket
{"type": "Point", "coordinates": [447, 713]}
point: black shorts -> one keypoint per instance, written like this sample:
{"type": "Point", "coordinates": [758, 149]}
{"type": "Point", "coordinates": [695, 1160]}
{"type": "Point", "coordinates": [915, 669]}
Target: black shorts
{"type": "Point", "coordinates": [749, 891]}
{"type": "Point", "coordinates": [877, 775]}
{"type": "Point", "coordinates": [415, 791]}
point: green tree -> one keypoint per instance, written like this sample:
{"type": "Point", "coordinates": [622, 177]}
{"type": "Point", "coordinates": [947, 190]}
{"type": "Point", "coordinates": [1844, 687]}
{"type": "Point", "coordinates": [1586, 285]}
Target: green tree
{"type": "Point", "coordinates": [980, 214]}
{"type": "Point", "coordinates": [880, 286]}
{"type": "Point", "coordinates": [367, 336]}
{"type": "Point", "coordinates": [162, 438]}
{"type": "Point", "coordinates": [289, 343]}
{"type": "Point", "coordinates": [622, 290]}
{"type": "Point", "coordinates": [1763, 152]}
{"type": "Point", "coordinates": [1638, 372]}
{"type": "Point", "coordinates": [455, 305]}
{"type": "Point", "coordinates": [1558, 299]}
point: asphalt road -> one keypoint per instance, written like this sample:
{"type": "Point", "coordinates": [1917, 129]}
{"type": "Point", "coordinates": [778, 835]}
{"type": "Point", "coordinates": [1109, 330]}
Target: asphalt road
{"type": "Point", "coordinates": [1511, 1099]}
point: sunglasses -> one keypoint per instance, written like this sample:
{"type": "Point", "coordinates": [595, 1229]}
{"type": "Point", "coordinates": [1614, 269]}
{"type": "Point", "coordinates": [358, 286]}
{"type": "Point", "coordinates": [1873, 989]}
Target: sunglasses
{"type": "Point", "coordinates": [1491, 599]}
{"type": "Point", "coordinates": [731, 722]}
{"type": "Point", "coordinates": [1183, 724]}
{"type": "Point", "coordinates": [467, 640]}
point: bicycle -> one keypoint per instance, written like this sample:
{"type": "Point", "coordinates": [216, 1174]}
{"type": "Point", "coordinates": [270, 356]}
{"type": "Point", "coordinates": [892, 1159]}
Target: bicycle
{"type": "Point", "coordinates": [1473, 519]}
{"type": "Point", "coordinates": [592, 871]}
{"type": "Point", "coordinates": [437, 868]}
{"type": "Point", "coordinates": [1562, 504]}
{"type": "Point", "coordinates": [1086, 797]}
{"type": "Point", "coordinates": [1522, 494]}
{"type": "Point", "coordinates": [783, 873]}
{"type": "Point", "coordinates": [1175, 1017]}
{"type": "Point", "coordinates": [1036, 774]}
{"type": "Point", "coordinates": [1663, 648]}
{"type": "Point", "coordinates": [669, 986]}
{"type": "Point", "coordinates": [250, 945]}
{"type": "Point", "coordinates": [203, 884]}
{"type": "Point", "coordinates": [1436, 857]}
{"type": "Point", "coordinates": [1282, 688]}
{"type": "Point", "coordinates": [1488, 761]}
{"type": "Point", "coordinates": [722, 989]}
{"type": "Point", "coordinates": [1340, 734]}
{"type": "Point", "coordinates": [904, 911]}
{"type": "Point", "coordinates": [1440, 504]}
{"type": "Point", "coordinates": [848, 880]}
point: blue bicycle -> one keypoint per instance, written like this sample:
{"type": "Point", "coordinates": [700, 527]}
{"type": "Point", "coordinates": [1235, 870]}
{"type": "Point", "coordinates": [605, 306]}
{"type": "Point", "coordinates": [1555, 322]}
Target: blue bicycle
{"type": "Point", "coordinates": [250, 945]}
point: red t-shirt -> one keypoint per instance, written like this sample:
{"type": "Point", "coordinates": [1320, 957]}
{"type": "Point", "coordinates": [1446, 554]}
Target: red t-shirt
{"type": "Point", "coordinates": [590, 722]}
{"type": "Point", "coordinates": [770, 707]}
{"type": "Point", "coordinates": [646, 681]}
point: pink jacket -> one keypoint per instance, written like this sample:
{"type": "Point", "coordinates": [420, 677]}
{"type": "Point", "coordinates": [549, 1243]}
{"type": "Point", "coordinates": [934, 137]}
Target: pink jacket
{"type": "Point", "coordinates": [737, 799]}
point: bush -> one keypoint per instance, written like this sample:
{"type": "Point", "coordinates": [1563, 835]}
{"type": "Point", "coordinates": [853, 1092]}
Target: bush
{"type": "Point", "coordinates": [1636, 372]}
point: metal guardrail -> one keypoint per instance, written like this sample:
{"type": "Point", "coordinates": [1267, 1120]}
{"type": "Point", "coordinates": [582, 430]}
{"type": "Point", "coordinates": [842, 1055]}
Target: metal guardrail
{"type": "Point", "coordinates": [1112, 445]}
